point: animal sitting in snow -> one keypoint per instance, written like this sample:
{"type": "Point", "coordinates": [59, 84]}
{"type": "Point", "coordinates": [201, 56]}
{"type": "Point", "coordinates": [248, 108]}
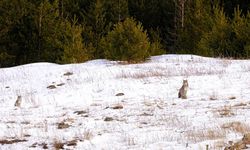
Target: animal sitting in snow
{"type": "Point", "coordinates": [18, 101]}
{"type": "Point", "coordinates": [183, 90]}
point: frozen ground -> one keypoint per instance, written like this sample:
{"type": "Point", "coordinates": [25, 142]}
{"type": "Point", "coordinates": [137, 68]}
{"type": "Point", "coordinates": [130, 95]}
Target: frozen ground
{"type": "Point", "coordinates": [111, 105]}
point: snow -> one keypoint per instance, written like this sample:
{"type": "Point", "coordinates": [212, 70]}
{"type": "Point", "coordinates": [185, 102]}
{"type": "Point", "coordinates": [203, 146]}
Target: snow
{"type": "Point", "coordinates": [151, 117]}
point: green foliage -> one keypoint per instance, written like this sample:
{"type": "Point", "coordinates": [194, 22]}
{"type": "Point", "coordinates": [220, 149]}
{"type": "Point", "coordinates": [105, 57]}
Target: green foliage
{"type": "Point", "coordinates": [59, 40]}
{"type": "Point", "coordinates": [198, 21]}
{"type": "Point", "coordinates": [16, 30]}
{"type": "Point", "coordinates": [218, 41]}
{"type": "Point", "coordinates": [5, 59]}
{"type": "Point", "coordinates": [51, 30]}
{"type": "Point", "coordinates": [74, 49]}
{"type": "Point", "coordinates": [227, 38]}
{"type": "Point", "coordinates": [241, 26]}
{"type": "Point", "coordinates": [64, 31]}
{"type": "Point", "coordinates": [97, 25]}
{"type": "Point", "coordinates": [99, 20]}
{"type": "Point", "coordinates": [156, 48]}
{"type": "Point", "coordinates": [115, 11]}
{"type": "Point", "coordinates": [127, 42]}
{"type": "Point", "coordinates": [157, 15]}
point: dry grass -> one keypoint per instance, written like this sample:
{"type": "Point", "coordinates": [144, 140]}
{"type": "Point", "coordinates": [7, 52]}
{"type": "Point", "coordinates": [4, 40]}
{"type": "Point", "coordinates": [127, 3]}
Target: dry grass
{"type": "Point", "coordinates": [108, 119]}
{"type": "Point", "coordinates": [240, 105]}
{"type": "Point", "coordinates": [214, 96]}
{"type": "Point", "coordinates": [169, 71]}
{"type": "Point", "coordinates": [219, 144]}
{"type": "Point", "coordinates": [72, 143]}
{"type": "Point", "coordinates": [25, 122]}
{"type": "Point", "coordinates": [60, 84]}
{"type": "Point", "coordinates": [225, 62]}
{"type": "Point", "coordinates": [141, 75]}
{"type": "Point", "coordinates": [232, 97]}
{"type": "Point", "coordinates": [63, 125]}
{"type": "Point", "coordinates": [237, 127]}
{"type": "Point", "coordinates": [117, 106]}
{"type": "Point", "coordinates": [87, 135]}
{"type": "Point", "coordinates": [246, 68]}
{"type": "Point", "coordinates": [225, 111]}
{"type": "Point", "coordinates": [68, 74]}
{"type": "Point", "coordinates": [203, 135]}
{"type": "Point", "coordinates": [5, 141]}
{"type": "Point", "coordinates": [51, 87]}
{"type": "Point", "coordinates": [58, 145]}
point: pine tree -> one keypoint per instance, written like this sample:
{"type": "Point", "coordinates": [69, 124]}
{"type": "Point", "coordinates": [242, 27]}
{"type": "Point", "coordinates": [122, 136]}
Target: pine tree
{"type": "Point", "coordinates": [100, 19]}
{"type": "Point", "coordinates": [157, 15]}
{"type": "Point", "coordinates": [198, 20]}
{"type": "Point", "coordinates": [218, 41]}
{"type": "Point", "coordinates": [97, 26]}
{"type": "Point", "coordinates": [241, 25]}
{"type": "Point", "coordinates": [50, 31]}
{"type": "Point", "coordinates": [74, 50]}
{"type": "Point", "coordinates": [156, 47]}
{"type": "Point", "coordinates": [16, 31]}
{"type": "Point", "coordinates": [127, 42]}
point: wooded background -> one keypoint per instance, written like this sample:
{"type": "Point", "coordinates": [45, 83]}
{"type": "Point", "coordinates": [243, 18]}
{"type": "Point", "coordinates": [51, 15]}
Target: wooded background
{"type": "Point", "coordinates": [72, 31]}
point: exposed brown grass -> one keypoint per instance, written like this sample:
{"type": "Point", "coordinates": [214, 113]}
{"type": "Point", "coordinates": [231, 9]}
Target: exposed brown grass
{"type": "Point", "coordinates": [225, 62]}
{"type": "Point", "coordinates": [117, 106]}
{"type": "Point", "coordinates": [169, 71]}
{"type": "Point", "coordinates": [87, 135]}
{"type": "Point", "coordinates": [219, 144]}
{"type": "Point", "coordinates": [58, 145]}
{"type": "Point", "coordinates": [225, 111]}
{"type": "Point", "coordinates": [51, 87]}
{"type": "Point", "coordinates": [25, 122]}
{"type": "Point", "coordinates": [141, 75]}
{"type": "Point", "coordinates": [213, 96]}
{"type": "Point", "coordinates": [232, 97]}
{"type": "Point", "coordinates": [108, 119]}
{"type": "Point", "coordinates": [202, 135]}
{"type": "Point", "coordinates": [68, 74]}
{"type": "Point", "coordinates": [72, 143]}
{"type": "Point", "coordinates": [63, 125]}
{"type": "Point", "coordinates": [5, 141]}
{"type": "Point", "coordinates": [60, 84]}
{"type": "Point", "coordinates": [240, 104]}
{"type": "Point", "coordinates": [237, 127]}
{"type": "Point", "coordinates": [80, 112]}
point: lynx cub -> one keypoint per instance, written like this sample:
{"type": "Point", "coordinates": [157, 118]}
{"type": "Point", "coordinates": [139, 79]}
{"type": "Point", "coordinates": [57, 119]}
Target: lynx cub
{"type": "Point", "coordinates": [183, 90]}
{"type": "Point", "coordinates": [18, 101]}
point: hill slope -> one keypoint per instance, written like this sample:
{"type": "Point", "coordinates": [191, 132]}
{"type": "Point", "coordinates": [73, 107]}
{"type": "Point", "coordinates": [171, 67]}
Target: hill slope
{"type": "Point", "coordinates": [110, 105]}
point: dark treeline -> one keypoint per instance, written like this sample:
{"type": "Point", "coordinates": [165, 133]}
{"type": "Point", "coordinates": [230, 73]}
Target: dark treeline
{"type": "Point", "coordinates": [71, 31]}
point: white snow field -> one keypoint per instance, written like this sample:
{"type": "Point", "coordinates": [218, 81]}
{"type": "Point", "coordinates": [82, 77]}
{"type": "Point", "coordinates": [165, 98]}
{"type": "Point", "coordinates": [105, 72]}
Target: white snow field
{"type": "Point", "coordinates": [110, 105]}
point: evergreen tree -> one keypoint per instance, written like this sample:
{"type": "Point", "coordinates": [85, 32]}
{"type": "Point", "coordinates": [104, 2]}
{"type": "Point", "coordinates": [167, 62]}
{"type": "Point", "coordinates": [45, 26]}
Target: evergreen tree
{"type": "Point", "coordinates": [74, 50]}
{"type": "Point", "coordinates": [100, 19]}
{"type": "Point", "coordinates": [97, 26]}
{"type": "Point", "coordinates": [127, 42]}
{"type": "Point", "coordinates": [198, 20]}
{"type": "Point", "coordinates": [50, 28]}
{"type": "Point", "coordinates": [59, 40]}
{"type": "Point", "coordinates": [156, 47]}
{"type": "Point", "coordinates": [241, 26]}
{"type": "Point", "coordinates": [156, 15]}
{"type": "Point", "coordinates": [218, 41]}
{"type": "Point", "coordinates": [17, 31]}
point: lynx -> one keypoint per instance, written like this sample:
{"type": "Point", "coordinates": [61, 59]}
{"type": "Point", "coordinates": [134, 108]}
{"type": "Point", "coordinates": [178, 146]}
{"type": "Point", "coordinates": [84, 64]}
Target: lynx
{"type": "Point", "coordinates": [183, 90]}
{"type": "Point", "coordinates": [18, 101]}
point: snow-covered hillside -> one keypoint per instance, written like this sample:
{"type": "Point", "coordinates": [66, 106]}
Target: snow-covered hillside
{"type": "Point", "coordinates": [107, 105]}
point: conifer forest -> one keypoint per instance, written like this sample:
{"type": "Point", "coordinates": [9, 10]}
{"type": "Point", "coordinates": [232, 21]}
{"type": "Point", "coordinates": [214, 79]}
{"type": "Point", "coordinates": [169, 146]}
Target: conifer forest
{"type": "Point", "coordinates": [74, 31]}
